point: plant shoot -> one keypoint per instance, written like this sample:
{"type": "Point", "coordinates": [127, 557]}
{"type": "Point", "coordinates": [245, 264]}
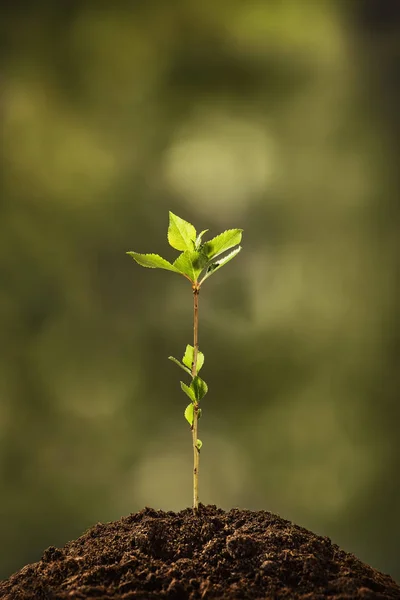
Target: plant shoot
{"type": "Point", "coordinates": [197, 262]}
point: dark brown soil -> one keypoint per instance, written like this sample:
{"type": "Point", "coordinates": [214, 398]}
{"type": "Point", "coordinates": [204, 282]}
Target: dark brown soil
{"type": "Point", "coordinates": [214, 554]}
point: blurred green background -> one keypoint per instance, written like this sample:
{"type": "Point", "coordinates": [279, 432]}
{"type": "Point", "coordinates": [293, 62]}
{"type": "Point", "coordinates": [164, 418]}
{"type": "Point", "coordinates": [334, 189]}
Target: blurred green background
{"type": "Point", "coordinates": [280, 117]}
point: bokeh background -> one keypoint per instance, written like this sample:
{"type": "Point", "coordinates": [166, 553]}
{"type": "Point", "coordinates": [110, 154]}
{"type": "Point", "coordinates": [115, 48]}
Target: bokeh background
{"type": "Point", "coordinates": [280, 117]}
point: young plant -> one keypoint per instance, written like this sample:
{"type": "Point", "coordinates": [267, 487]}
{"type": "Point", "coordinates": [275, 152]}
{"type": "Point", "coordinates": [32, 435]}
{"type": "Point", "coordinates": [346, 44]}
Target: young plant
{"type": "Point", "coordinates": [197, 262]}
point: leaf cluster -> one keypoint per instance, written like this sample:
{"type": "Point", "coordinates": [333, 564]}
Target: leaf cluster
{"type": "Point", "coordinates": [198, 387]}
{"type": "Point", "coordinates": [197, 258]}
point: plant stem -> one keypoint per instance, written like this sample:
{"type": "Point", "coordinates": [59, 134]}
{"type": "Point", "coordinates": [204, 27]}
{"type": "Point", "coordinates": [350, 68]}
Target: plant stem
{"type": "Point", "coordinates": [196, 451]}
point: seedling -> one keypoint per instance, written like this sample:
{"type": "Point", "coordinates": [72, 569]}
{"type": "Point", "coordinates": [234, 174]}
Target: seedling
{"type": "Point", "coordinates": [197, 263]}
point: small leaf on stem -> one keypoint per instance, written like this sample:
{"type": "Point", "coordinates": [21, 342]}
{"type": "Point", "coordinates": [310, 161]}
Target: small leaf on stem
{"type": "Point", "coordinates": [189, 391]}
{"type": "Point", "coordinates": [153, 261]}
{"type": "Point", "coordinates": [181, 234]}
{"type": "Point", "coordinates": [189, 414]}
{"type": "Point", "coordinates": [220, 263]}
{"type": "Point", "coordinates": [199, 444]}
{"type": "Point", "coordinates": [197, 243]}
{"type": "Point", "coordinates": [176, 361]}
{"type": "Point", "coordinates": [222, 242]}
{"type": "Point", "coordinates": [191, 263]}
{"type": "Point", "coordinates": [199, 387]}
{"type": "Point", "coordinates": [188, 358]}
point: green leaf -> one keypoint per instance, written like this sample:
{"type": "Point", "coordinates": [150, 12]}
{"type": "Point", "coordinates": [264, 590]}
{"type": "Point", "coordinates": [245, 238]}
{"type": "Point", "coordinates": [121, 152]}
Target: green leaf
{"type": "Point", "coordinates": [199, 411]}
{"type": "Point", "coordinates": [181, 234]}
{"type": "Point", "coordinates": [222, 242]}
{"type": "Point", "coordinates": [189, 414]}
{"type": "Point", "coordinates": [199, 444]}
{"type": "Point", "coordinates": [191, 263]}
{"type": "Point", "coordinates": [220, 263]}
{"type": "Point", "coordinates": [189, 391]}
{"type": "Point", "coordinates": [198, 239]}
{"type": "Point", "coordinates": [153, 261]}
{"type": "Point", "coordinates": [199, 388]}
{"type": "Point", "coordinates": [180, 364]}
{"type": "Point", "coordinates": [188, 358]}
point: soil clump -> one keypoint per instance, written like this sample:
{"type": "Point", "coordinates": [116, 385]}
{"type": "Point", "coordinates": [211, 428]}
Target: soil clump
{"type": "Point", "coordinates": [214, 554]}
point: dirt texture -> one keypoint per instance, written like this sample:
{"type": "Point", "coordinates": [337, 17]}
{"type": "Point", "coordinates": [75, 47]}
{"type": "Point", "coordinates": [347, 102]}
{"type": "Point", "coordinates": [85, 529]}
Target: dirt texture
{"type": "Point", "coordinates": [214, 554]}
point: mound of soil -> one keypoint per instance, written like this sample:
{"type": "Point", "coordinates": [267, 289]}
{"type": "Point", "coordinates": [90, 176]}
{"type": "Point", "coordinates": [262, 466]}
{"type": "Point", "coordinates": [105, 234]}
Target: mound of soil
{"type": "Point", "coordinates": [214, 554]}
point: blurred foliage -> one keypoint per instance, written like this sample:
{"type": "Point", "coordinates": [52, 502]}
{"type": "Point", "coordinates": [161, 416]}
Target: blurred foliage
{"type": "Point", "coordinates": [280, 117]}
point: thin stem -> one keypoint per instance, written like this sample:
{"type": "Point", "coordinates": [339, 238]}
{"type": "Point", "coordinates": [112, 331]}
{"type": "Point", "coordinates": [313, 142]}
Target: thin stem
{"type": "Point", "coordinates": [196, 291]}
{"type": "Point", "coordinates": [196, 451]}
